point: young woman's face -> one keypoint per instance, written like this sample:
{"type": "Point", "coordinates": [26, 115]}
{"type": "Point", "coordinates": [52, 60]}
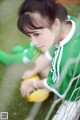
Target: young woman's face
{"type": "Point", "coordinates": [42, 38]}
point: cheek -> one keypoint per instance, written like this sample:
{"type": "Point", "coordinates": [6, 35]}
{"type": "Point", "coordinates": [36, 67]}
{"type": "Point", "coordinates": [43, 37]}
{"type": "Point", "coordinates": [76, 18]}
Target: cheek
{"type": "Point", "coordinates": [43, 39]}
{"type": "Point", "coordinates": [46, 37]}
{"type": "Point", "coordinates": [49, 38]}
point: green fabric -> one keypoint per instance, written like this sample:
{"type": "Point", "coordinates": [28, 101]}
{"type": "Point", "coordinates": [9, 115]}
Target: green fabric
{"type": "Point", "coordinates": [19, 48]}
{"type": "Point", "coordinates": [51, 50]}
{"type": "Point", "coordinates": [70, 50]}
{"type": "Point", "coordinates": [19, 53]}
{"type": "Point", "coordinates": [33, 53]}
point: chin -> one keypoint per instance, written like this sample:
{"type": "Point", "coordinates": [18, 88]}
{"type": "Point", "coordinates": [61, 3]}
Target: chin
{"type": "Point", "coordinates": [43, 50]}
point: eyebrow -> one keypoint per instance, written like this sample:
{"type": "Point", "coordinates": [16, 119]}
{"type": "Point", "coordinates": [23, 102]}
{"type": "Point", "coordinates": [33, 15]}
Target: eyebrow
{"type": "Point", "coordinates": [31, 32]}
{"type": "Point", "coordinates": [34, 31]}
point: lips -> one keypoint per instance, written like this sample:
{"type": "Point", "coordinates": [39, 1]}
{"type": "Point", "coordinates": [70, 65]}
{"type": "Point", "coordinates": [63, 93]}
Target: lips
{"type": "Point", "coordinates": [40, 47]}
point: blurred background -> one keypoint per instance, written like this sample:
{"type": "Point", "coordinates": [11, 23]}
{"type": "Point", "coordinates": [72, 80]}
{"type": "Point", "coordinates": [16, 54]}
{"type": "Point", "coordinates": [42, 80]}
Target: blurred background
{"type": "Point", "coordinates": [10, 76]}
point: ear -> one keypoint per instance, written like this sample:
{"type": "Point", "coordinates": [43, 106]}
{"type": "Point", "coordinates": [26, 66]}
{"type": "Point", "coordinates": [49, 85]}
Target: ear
{"type": "Point", "coordinates": [56, 24]}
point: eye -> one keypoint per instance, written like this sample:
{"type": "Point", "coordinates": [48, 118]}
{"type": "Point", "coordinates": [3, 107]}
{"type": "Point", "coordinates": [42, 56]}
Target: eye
{"type": "Point", "coordinates": [28, 36]}
{"type": "Point", "coordinates": [36, 34]}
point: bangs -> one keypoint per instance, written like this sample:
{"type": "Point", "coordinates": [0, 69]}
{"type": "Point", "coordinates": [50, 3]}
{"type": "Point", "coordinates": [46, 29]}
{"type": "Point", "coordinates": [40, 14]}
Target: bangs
{"type": "Point", "coordinates": [27, 22]}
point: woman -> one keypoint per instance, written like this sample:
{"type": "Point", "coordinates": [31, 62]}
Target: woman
{"type": "Point", "coordinates": [55, 33]}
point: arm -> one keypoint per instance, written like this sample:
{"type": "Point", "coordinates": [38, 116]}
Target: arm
{"type": "Point", "coordinates": [41, 63]}
{"type": "Point", "coordinates": [27, 86]}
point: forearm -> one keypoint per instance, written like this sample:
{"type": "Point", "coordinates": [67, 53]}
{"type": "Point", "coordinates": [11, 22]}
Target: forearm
{"type": "Point", "coordinates": [41, 63]}
{"type": "Point", "coordinates": [40, 84]}
{"type": "Point", "coordinates": [27, 86]}
{"type": "Point", "coordinates": [37, 84]}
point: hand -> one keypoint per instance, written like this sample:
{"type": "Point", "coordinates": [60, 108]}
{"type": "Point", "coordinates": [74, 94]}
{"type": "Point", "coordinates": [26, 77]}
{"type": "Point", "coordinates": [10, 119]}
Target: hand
{"type": "Point", "coordinates": [28, 74]}
{"type": "Point", "coordinates": [26, 87]}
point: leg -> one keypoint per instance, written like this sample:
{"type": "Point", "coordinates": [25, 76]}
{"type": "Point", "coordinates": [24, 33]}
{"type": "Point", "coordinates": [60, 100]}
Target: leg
{"type": "Point", "coordinates": [68, 111]}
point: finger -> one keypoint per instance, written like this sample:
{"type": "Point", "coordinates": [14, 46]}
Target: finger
{"type": "Point", "coordinates": [24, 76]}
{"type": "Point", "coordinates": [29, 91]}
{"type": "Point", "coordinates": [25, 93]}
{"type": "Point", "coordinates": [22, 92]}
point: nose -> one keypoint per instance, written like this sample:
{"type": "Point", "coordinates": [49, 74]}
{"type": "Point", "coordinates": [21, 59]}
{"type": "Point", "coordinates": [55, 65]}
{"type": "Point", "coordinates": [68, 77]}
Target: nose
{"type": "Point", "coordinates": [34, 41]}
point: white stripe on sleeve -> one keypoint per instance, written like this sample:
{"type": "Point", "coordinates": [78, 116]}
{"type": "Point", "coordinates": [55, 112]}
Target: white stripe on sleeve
{"type": "Point", "coordinates": [52, 89]}
{"type": "Point", "coordinates": [47, 54]}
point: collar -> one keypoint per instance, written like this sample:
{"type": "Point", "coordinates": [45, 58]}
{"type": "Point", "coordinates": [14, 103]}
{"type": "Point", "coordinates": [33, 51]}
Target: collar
{"type": "Point", "coordinates": [69, 36]}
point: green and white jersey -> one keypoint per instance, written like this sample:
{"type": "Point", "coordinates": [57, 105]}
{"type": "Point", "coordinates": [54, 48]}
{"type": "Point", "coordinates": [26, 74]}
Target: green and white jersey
{"type": "Point", "coordinates": [65, 64]}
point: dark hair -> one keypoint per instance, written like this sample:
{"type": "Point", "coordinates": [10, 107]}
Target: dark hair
{"type": "Point", "coordinates": [27, 22]}
{"type": "Point", "coordinates": [46, 8]}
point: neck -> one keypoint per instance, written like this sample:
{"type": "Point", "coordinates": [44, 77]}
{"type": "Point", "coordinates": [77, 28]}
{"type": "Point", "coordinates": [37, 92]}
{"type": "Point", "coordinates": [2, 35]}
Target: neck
{"type": "Point", "coordinates": [65, 30]}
